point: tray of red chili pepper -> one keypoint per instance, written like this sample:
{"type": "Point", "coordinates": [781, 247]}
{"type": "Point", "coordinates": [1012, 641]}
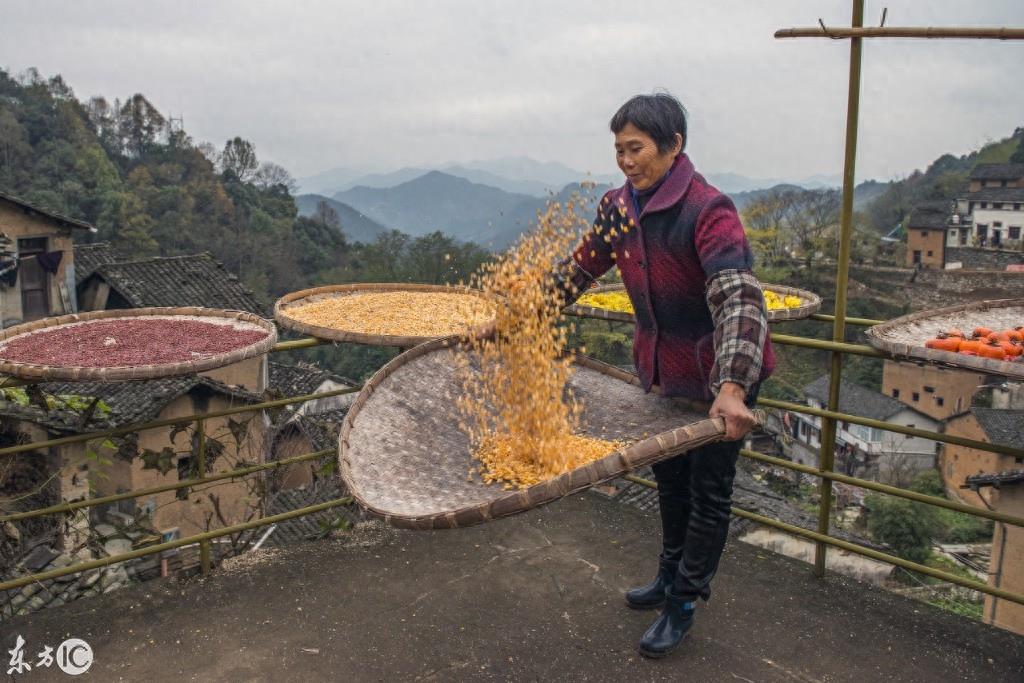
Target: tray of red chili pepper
{"type": "Point", "coordinates": [987, 336]}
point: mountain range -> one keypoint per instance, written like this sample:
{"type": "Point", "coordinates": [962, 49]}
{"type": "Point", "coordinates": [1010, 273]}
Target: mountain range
{"type": "Point", "coordinates": [468, 211]}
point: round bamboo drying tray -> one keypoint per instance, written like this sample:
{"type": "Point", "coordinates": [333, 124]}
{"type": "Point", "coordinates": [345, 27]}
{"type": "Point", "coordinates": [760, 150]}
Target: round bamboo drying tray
{"type": "Point", "coordinates": [403, 456]}
{"type": "Point", "coordinates": [76, 373]}
{"type": "Point", "coordinates": [812, 302]}
{"type": "Point", "coordinates": [904, 337]}
{"type": "Point", "coordinates": [306, 296]}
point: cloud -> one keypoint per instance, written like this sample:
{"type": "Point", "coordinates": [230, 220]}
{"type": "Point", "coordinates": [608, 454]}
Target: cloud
{"type": "Point", "coordinates": [384, 84]}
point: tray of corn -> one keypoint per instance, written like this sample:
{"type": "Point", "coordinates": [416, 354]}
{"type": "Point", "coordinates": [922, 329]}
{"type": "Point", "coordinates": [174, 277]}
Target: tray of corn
{"type": "Point", "coordinates": [611, 302]}
{"type": "Point", "coordinates": [385, 314]}
{"type": "Point", "coordinates": [404, 452]}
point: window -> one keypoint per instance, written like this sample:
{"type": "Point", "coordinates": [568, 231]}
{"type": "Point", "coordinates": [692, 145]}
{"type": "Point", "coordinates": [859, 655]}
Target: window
{"type": "Point", "coordinates": [959, 403]}
{"type": "Point", "coordinates": [895, 393]}
{"type": "Point", "coordinates": [930, 390]}
{"type": "Point", "coordinates": [997, 224]}
{"type": "Point", "coordinates": [924, 233]}
{"type": "Point", "coordinates": [184, 467]}
{"type": "Point", "coordinates": [1014, 233]}
{"type": "Point", "coordinates": [997, 205]}
{"type": "Point", "coordinates": [930, 253]}
{"type": "Point", "coordinates": [939, 401]}
{"type": "Point", "coordinates": [915, 396]}
{"type": "Point", "coordinates": [1016, 206]}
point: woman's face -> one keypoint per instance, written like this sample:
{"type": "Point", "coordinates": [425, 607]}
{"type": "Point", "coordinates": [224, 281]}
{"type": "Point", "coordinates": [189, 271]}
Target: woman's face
{"type": "Point", "coordinates": [638, 156]}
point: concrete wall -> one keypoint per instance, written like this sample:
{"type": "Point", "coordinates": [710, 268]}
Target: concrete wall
{"type": "Point", "coordinates": [299, 474]}
{"type": "Point", "coordinates": [953, 389]}
{"type": "Point", "coordinates": [1006, 569]}
{"type": "Point", "coordinates": [17, 224]}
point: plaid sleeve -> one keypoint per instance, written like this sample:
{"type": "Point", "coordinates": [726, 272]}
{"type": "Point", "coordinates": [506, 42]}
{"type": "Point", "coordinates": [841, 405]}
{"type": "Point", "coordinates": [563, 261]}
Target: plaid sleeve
{"type": "Point", "coordinates": [741, 328]}
{"type": "Point", "coordinates": [572, 280]}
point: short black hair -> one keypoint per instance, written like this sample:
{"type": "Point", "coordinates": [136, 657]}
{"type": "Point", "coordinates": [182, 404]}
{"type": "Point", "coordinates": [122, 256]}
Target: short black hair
{"type": "Point", "coordinates": [660, 115]}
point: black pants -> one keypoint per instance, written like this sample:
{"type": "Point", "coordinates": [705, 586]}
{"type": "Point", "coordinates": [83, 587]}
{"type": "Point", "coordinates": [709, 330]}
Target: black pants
{"type": "Point", "coordinates": [694, 497]}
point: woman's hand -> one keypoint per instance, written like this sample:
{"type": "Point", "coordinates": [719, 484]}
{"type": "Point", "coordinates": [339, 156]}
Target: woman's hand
{"type": "Point", "coordinates": [739, 421]}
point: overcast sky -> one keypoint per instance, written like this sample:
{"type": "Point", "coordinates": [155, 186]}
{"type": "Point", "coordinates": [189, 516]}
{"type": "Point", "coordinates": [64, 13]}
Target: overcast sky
{"type": "Point", "coordinates": [383, 84]}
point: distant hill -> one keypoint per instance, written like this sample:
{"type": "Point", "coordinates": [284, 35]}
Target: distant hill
{"type": "Point", "coordinates": [470, 212]}
{"type": "Point", "coordinates": [862, 194]}
{"type": "Point", "coordinates": [356, 226]}
{"type": "Point", "coordinates": [438, 201]}
{"type": "Point", "coordinates": [942, 180]}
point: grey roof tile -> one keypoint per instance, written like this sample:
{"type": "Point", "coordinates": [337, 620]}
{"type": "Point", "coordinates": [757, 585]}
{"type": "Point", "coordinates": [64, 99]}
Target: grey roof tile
{"type": "Point", "coordinates": [856, 400]}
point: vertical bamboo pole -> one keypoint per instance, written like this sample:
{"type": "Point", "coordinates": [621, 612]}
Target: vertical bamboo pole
{"type": "Point", "coordinates": [828, 424]}
{"type": "Point", "coordinates": [204, 545]}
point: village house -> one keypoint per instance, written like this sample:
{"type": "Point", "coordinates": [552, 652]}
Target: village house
{"type": "Point", "coordinates": [308, 427]}
{"type": "Point", "coordinates": [936, 391]}
{"type": "Point", "coordinates": [990, 425]}
{"type": "Point", "coordinates": [193, 280]}
{"type": "Point", "coordinates": [926, 234]}
{"type": "Point", "coordinates": [863, 451]}
{"type": "Point", "coordinates": [1006, 568]}
{"type": "Point", "coordinates": [37, 273]}
{"type": "Point", "coordinates": [990, 212]}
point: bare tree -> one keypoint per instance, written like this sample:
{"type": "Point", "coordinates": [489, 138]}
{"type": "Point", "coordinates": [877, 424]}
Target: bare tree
{"type": "Point", "coordinates": [326, 215]}
{"type": "Point", "coordinates": [271, 174]}
{"type": "Point", "coordinates": [239, 158]}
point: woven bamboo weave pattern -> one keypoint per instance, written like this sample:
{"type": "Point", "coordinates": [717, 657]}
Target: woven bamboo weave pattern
{"type": "Point", "coordinates": [404, 457]}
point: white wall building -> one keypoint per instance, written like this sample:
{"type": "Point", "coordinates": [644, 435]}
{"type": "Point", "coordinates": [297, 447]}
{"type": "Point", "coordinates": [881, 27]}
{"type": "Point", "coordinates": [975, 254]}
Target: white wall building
{"type": "Point", "coordinates": [864, 451]}
{"type": "Point", "coordinates": [991, 212]}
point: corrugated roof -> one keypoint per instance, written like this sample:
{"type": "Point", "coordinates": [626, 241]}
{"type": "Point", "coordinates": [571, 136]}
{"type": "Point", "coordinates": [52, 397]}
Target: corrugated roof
{"type": "Point", "coordinates": [196, 280]}
{"type": "Point", "coordinates": [857, 400]}
{"type": "Point", "coordinates": [930, 215]}
{"type": "Point", "coordinates": [998, 172]}
{"type": "Point", "coordinates": [1004, 427]}
{"type": "Point", "coordinates": [52, 215]}
{"type": "Point", "coordinates": [89, 257]}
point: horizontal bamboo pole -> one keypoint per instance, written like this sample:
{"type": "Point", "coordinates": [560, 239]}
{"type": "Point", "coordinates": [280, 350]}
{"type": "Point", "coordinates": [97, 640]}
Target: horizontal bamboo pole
{"type": "Point", "coordinates": [903, 32]}
{"type": "Point", "coordinates": [825, 345]}
{"type": "Point", "coordinates": [92, 502]}
{"type": "Point", "coordinates": [170, 545]}
{"type": "Point", "coordinates": [886, 489]}
{"type": "Point", "coordinates": [865, 322]}
{"type": "Point", "coordinates": [128, 429]}
{"type": "Point", "coordinates": [890, 427]}
{"type": "Point", "coordinates": [860, 550]}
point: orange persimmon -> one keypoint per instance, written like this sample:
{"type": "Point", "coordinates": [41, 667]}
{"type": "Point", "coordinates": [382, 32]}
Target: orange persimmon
{"type": "Point", "coordinates": [970, 346]}
{"type": "Point", "coordinates": [992, 351]}
{"type": "Point", "coordinates": [947, 344]}
{"type": "Point", "coordinates": [982, 331]}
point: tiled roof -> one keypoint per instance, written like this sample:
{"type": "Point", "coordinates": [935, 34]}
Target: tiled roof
{"type": "Point", "coordinates": [196, 280]}
{"type": "Point", "coordinates": [1005, 427]}
{"type": "Point", "coordinates": [301, 379]}
{"type": "Point", "coordinates": [63, 220]}
{"type": "Point", "coordinates": [89, 257]}
{"type": "Point", "coordinates": [929, 216]}
{"type": "Point", "coordinates": [309, 526]}
{"type": "Point", "coordinates": [132, 402]}
{"type": "Point", "coordinates": [997, 479]}
{"type": "Point", "coordinates": [998, 172]}
{"type": "Point", "coordinates": [856, 400]}
{"type": "Point", "coordinates": [995, 194]}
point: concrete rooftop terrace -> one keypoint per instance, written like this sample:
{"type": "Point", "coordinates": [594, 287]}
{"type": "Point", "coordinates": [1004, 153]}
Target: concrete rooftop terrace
{"type": "Point", "coordinates": [533, 597]}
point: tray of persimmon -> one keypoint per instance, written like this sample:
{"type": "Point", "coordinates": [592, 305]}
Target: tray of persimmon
{"type": "Point", "coordinates": [986, 336]}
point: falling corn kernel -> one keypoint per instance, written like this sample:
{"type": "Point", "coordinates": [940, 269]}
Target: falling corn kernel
{"type": "Point", "coordinates": [522, 421]}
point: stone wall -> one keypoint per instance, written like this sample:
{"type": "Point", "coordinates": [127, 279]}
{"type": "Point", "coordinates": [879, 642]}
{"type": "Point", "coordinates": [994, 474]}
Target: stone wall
{"type": "Point", "coordinates": [983, 259]}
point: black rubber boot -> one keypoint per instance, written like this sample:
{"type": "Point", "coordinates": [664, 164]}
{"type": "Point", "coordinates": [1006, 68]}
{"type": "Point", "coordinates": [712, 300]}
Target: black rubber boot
{"type": "Point", "coordinates": [652, 595]}
{"type": "Point", "coordinates": [668, 630]}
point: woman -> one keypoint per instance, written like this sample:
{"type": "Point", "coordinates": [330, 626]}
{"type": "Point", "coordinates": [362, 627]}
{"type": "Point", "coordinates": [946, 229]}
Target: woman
{"type": "Point", "coordinates": [701, 333]}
